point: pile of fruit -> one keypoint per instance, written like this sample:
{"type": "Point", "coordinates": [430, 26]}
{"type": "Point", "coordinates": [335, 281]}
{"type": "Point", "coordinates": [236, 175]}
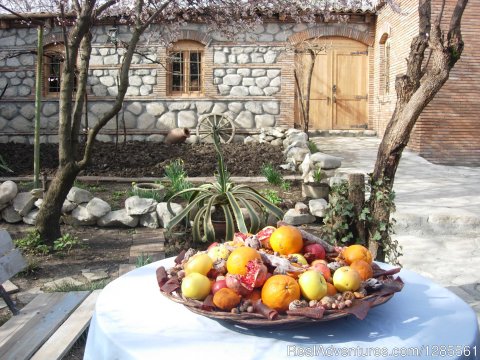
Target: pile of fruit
{"type": "Point", "coordinates": [280, 270]}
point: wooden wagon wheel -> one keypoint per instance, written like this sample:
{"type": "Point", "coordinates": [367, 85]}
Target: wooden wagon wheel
{"type": "Point", "coordinates": [215, 123]}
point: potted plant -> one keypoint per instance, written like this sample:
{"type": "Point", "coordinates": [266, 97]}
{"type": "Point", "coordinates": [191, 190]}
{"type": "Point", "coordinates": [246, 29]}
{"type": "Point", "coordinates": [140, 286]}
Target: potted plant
{"type": "Point", "coordinates": [316, 189]}
{"type": "Point", "coordinates": [225, 198]}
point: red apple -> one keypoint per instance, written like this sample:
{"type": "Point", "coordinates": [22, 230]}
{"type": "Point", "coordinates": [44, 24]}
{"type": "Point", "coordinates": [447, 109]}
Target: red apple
{"type": "Point", "coordinates": [320, 266]}
{"type": "Point", "coordinates": [316, 249]}
{"type": "Point", "coordinates": [219, 284]}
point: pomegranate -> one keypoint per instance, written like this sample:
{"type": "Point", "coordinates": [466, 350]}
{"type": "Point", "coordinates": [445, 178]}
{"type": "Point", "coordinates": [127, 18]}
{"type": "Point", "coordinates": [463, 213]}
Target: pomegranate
{"type": "Point", "coordinates": [255, 277]}
{"type": "Point", "coordinates": [235, 283]}
{"type": "Point", "coordinates": [264, 236]}
{"type": "Point", "coordinates": [317, 251]}
{"type": "Point", "coordinates": [256, 274]}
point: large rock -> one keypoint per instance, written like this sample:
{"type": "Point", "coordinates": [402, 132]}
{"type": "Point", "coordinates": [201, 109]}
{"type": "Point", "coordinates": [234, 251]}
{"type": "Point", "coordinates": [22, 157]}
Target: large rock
{"type": "Point", "coordinates": [264, 120]}
{"type": "Point", "coordinates": [10, 215]}
{"type": "Point", "coordinates": [296, 137]}
{"type": "Point", "coordinates": [164, 216]}
{"type": "Point", "coordinates": [232, 79]}
{"type": "Point", "coordinates": [150, 220]}
{"type": "Point", "coordinates": [156, 108]}
{"type": "Point", "coordinates": [98, 207]}
{"type": "Point", "coordinates": [31, 217]}
{"type": "Point", "coordinates": [297, 154]}
{"type": "Point", "coordinates": [317, 207]}
{"type": "Point", "coordinates": [294, 217]}
{"type": "Point", "coordinates": [187, 119]}
{"type": "Point", "coordinates": [23, 203]}
{"type": "Point", "coordinates": [79, 196]}
{"type": "Point", "coordinates": [239, 91]}
{"type": "Point", "coordinates": [118, 218]}
{"type": "Point", "coordinates": [326, 161]}
{"type": "Point", "coordinates": [8, 191]}
{"type": "Point", "coordinates": [80, 217]}
{"type": "Point", "coordinates": [245, 120]}
{"type": "Point", "coordinates": [68, 206]}
{"type": "Point", "coordinates": [136, 205]}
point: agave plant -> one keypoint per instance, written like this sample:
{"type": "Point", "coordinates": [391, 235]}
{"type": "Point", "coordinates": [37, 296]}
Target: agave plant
{"type": "Point", "coordinates": [224, 195]}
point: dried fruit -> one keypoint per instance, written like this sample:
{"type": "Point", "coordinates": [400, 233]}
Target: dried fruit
{"type": "Point", "coordinates": [226, 299]}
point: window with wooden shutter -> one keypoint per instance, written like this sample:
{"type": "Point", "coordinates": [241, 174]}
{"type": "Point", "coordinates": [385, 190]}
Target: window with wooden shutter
{"type": "Point", "coordinates": [185, 61]}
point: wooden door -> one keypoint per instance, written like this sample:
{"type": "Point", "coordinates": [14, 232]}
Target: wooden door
{"type": "Point", "coordinates": [320, 100]}
{"type": "Point", "coordinates": [338, 94]}
{"type": "Point", "coordinates": [349, 88]}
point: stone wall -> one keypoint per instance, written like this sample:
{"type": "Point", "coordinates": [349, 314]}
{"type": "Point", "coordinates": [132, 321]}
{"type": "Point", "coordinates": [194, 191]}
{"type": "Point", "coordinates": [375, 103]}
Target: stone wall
{"type": "Point", "coordinates": [247, 82]}
{"type": "Point", "coordinates": [250, 80]}
{"type": "Point", "coordinates": [150, 120]}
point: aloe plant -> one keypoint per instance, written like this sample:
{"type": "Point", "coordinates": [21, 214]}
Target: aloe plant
{"type": "Point", "coordinates": [224, 195]}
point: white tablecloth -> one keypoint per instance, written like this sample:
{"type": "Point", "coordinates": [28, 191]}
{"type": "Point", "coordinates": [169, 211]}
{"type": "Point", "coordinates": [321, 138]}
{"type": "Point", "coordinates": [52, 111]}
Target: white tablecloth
{"type": "Point", "coordinates": [132, 320]}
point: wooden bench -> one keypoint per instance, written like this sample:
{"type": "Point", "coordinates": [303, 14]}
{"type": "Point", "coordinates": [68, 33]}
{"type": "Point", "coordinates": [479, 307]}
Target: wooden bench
{"type": "Point", "coordinates": [49, 325]}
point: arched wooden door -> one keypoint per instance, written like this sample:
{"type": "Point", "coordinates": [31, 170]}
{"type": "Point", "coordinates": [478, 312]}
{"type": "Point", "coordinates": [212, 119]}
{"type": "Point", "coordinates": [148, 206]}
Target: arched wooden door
{"type": "Point", "coordinates": [339, 84]}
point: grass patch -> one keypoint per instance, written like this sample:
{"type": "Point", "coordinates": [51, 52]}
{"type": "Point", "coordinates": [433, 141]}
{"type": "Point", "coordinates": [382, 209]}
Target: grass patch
{"type": "Point", "coordinates": [4, 318]}
{"type": "Point", "coordinates": [312, 147]}
{"type": "Point", "coordinates": [272, 175]}
{"type": "Point", "coordinates": [89, 286]}
{"type": "Point", "coordinates": [142, 260]}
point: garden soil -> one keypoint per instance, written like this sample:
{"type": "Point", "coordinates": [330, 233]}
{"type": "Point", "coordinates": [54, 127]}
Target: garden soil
{"type": "Point", "coordinates": [147, 159]}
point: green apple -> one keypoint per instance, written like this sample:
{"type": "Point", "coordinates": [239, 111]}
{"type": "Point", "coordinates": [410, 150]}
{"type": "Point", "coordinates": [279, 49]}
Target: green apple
{"type": "Point", "coordinates": [218, 252]}
{"type": "Point", "coordinates": [200, 263]}
{"type": "Point", "coordinates": [300, 259]}
{"type": "Point", "coordinates": [312, 285]}
{"type": "Point", "coordinates": [346, 279]}
{"type": "Point", "coordinates": [196, 286]}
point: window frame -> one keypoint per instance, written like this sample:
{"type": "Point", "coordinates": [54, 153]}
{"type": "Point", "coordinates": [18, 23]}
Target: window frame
{"type": "Point", "coordinates": [50, 51]}
{"type": "Point", "coordinates": [385, 63]}
{"type": "Point", "coordinates": [186, 47]}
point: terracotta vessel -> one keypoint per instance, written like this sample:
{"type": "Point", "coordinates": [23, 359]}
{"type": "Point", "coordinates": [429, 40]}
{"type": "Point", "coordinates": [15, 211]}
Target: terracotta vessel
{"type": "Point", "coordinates": [177, 136]}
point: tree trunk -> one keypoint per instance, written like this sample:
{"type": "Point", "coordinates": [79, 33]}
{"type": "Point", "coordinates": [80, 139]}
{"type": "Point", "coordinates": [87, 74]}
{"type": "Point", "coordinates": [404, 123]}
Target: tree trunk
{"type": "Point", "coordinates": [48, 219]}
{"type": "Point", "coordinates": [356, 195]}
{"type": "Point", "coordinates": [414, 91]}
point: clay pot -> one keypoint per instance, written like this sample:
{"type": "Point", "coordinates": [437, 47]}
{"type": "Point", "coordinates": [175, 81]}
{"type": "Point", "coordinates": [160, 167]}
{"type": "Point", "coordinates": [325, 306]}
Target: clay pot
{"type": "Point", "coordinates": [177, 136]}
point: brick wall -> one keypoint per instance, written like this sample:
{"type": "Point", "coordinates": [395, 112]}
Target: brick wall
{"type": "Point", "coordinates": [448, 130]}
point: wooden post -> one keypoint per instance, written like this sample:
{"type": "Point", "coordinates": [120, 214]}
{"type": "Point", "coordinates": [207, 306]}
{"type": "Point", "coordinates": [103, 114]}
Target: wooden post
{"type": "Point", "coordinates": [356, 195]}
{"type": "Point", "coordinates": [38, 105]}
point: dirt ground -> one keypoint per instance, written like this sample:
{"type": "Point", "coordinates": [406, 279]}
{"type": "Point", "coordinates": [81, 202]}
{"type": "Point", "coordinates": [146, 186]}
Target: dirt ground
{"type": "Point", "coordinates": [146, 159]}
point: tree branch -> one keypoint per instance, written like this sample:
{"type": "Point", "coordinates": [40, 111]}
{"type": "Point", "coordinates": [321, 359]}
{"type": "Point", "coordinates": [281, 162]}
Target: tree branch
{"type": "Point", "coordinates": [454, 37]}
{"type": "Point", "coordinates": [86, 49]}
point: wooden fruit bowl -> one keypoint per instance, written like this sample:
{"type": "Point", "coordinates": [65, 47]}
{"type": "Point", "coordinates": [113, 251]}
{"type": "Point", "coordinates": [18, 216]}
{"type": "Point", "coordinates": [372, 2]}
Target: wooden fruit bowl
{"type": "Point", "coordinates": [359, 308]}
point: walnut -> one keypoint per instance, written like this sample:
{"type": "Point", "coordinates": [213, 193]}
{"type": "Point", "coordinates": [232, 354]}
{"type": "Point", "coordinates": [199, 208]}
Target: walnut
{"type": "Point", "coordinates": [297, 304]}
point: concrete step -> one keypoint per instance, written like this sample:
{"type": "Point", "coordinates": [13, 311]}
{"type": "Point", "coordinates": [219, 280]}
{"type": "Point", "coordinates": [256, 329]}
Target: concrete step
{"type": "Point", "coordinates": [441, 221]}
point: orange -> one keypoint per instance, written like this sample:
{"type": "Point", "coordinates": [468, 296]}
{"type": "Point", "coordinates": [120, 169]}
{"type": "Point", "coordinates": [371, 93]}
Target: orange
{"type": "Point", "coordinates": [331, 290]}
{"type": "Point", "coordinates": [357, 252]}
{"type": "Point", "coordinates": [279, 291]}
{"type": "Point", "coordinates": [286, 240]}
{"type": "Point", "coordinates": [238, 259]}
{"type": "Point", "coordinates": [364, 269]}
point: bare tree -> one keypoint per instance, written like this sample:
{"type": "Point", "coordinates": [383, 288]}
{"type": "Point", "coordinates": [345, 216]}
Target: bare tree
{"type": "Point", "coordinates": [415, 89]}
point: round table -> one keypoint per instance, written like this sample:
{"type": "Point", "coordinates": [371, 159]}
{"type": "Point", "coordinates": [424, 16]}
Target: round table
{"type": "Point", "coordinates": [132, 320]}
